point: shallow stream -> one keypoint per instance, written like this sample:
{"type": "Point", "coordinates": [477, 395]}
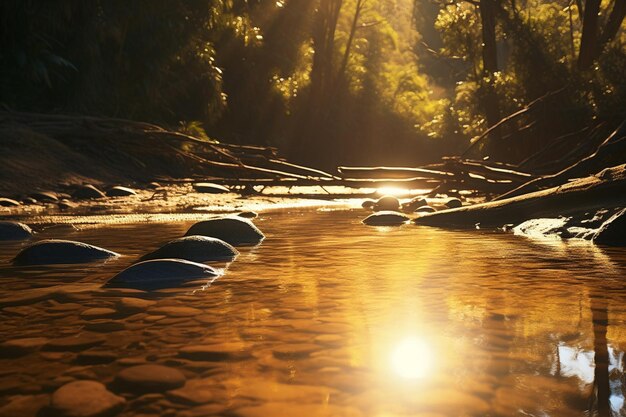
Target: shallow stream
{"type": "Point", "coordinates": [329, 317]}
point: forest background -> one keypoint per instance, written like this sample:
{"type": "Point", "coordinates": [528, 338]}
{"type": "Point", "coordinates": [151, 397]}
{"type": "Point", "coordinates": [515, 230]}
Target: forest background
{"type": "Point", "coordinates": [394, 82]}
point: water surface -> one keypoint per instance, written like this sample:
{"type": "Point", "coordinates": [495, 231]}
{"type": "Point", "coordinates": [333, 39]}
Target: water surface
{"type": "Point", "coordinates": [329, 317]}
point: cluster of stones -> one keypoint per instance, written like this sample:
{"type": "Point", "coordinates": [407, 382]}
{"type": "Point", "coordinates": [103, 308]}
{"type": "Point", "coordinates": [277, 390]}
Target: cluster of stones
{"type": "Point", "coordinates": [389, 211]}
{"type": "Point", "coordinates": [65, 201]}
{"type": "Point", "coordinates": [90, 192]}
{"type": "Point", "coordinates": [176, 262]}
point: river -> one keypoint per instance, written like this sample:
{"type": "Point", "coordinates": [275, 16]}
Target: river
{"type": "Point", "coordinates": [329, 317]}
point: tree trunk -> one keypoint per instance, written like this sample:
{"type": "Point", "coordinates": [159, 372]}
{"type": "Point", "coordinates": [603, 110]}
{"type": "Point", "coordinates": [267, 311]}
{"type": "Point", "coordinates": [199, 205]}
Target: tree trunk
{"type": "Point", "coordinates": [490, 65]}
{"type": "Point", "coordinates": [589, 39]}
{"type": "Point", "coordinates": [616, 17]}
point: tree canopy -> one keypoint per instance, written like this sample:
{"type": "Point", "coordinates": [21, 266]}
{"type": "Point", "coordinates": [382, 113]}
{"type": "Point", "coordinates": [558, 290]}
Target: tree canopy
{"type": "Point", "coordinates": [328, 81]}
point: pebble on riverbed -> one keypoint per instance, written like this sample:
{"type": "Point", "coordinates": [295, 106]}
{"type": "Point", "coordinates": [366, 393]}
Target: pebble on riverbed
{"type": "Point", "coordinates": [119, 191]}
{"type": "Point", "coordinates": [210, 188]}
{"type": "Point", "coordinates": [14, 231]}
{"type": "Point", "coordinates": [234, 230]}
{"type": "Point", "coordinates": [7, 202]}
{"type": "Point", "coordinates": [195, 249]}
{"type": "Point", "coordinates": [85, 399]}
{"type": "Point", "coordinates": [52, 251]}
{"type": "Point", "coordinates": [149, 378]}
{"type": "Point", "coordinates": [87, 192]}
{"type": "Point", "coordinates": [160, 273]}
{"type": "Point", "coordinates": [386, 218]}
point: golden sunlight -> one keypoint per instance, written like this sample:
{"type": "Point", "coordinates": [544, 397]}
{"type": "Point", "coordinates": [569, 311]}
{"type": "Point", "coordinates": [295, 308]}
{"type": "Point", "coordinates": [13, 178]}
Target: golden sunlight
{"type": "Point", "coordinates": [412, 358]}
{"type": "Point", "coordinates": [394, 191]}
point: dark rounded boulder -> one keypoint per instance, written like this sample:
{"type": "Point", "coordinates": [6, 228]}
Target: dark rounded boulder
{"type": "Point", "coordinates": [387, 203]}
{"type": "Point", "coordinates": [52, 251]}
{"type": "Point", "coordinates": [195, 249]}
{"type": "Point", "coordinates": [613, 231]}
{"type": "Point", "coordinates": [119, 191]}
{"type": "Point", "coordinates": [87, 192]}
{"type": "Point", "coordinates": [29, 200]}
{"type": "Point", "coordinates": [248, 214]}
{"type": "Point", "coordinates": [160, 273]}
{"type": "Point", "coordinates": [65, 204]}
{"type": "Point", "coordinates": [368, 204]}
{"type": "Point", "coordinates": [386, 218]}
{"type": "Point", "coordinates": [425, 209]}
{"type": "Point", "coordinates": [453, 203]}
{"type": "Point", "coordinates": [210, 188]}
{"type": "Point", "coordinates": [234, 230]}
{"type": "Point", "coordinates": [45, 196]}
{"type": "Point", "coordinates": [8, 202]}
{"type": "Point", "coordinates": [411, 205]}
{"type": "Point", "coordinates": [14, 231]}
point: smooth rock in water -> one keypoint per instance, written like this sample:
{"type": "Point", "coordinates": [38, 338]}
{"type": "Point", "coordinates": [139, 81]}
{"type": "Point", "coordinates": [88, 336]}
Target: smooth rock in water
{"type": "Point", "coordinates": [234, 230]}
{"type": "Point", "coordinates": [210, 188]}
{"type": "Point", "coordinates": [414, 203]}
{"type": "Point", "coordinates": [22, 346]}
{"type": "Point", "coordinates": [248, 214]}
{"type": "Point", "coordinates": [87, 192]}
{"type": "Point", "coordinates": [85, 399]}
{"type": "Point", "coordinates": [52, 251]}
{"type": "Point", "coordinates": [45, 196]}
{"type": "Point", "coordinates": [7, 202]}
{"type": "Point", "coordinates": [368, 204]}
{"type": "Point", "coordinates": [386, 218]}
{"type": "Point", "coordinates": [453, 203]}
{"type": "Point", "coordinates": [613, 231]}
{"type": "Point", "coordinates": [66, 204]}
{"type": "Point", "coordinates": [129, 305]}
{"type": "Point", "coordinates": [119, 191]}
{"type": "Point", "coordinates": [29, 200]}
{"type": "Point", "coordinates": [14, 231]}
{"type": "Point", "coordinates": [160, 273]}
{"type": "Point", "coordinates": [73, 343]}
{"type": "Point", "coordinates": [25, 405]}
{"type": "Point", "coordinates": [387, 203]}
{"type": "Point", "coordinates": [195, 249]}
{"type": "Point", "coordinates": [216, 352]}
{"type": "Point", "coordinates": [149, 378]}
{"type": "Point", "coordinates": [425, 209]}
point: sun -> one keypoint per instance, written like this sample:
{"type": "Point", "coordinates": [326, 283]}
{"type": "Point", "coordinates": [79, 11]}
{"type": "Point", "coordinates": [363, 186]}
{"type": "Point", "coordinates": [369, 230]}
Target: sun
{"type": "Point", "coordinates": [412, 358]}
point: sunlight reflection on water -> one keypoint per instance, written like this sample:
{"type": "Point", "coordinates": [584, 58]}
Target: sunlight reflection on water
{"type": "Point", "coordinates": [328, 317]}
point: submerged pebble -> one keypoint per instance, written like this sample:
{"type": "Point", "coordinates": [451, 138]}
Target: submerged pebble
{"type": "Point", "coordinates": [195, 249]}
{"type": "Point", "coordinates": [14, 231]}
{"type": "Point", "coordinates": [234, 230]}
{"type": "Point", "coordinates": [52, 251]}
{"type": "Point", "coordinates": [161, 273]}
{"type": "Point", "coordinates": [149, 378]}
{"type": "Point", "coordinates": [85, 399]}
{"type": "Point", "coordinates": [386, 218]}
